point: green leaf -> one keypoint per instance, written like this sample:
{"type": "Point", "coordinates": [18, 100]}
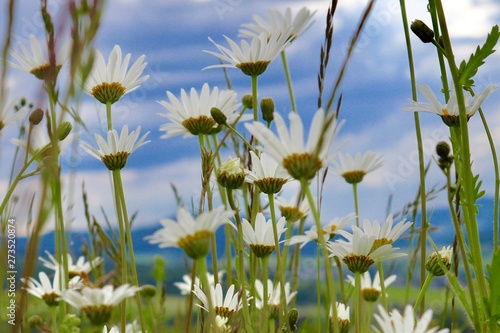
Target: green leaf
{"type": "Point", "coordinates": [468, 69]}
{"type": "Point", "coordinates": [494, 277]}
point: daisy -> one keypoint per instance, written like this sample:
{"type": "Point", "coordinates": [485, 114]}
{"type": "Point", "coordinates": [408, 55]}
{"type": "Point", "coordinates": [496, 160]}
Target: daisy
{"type": "Point", "coordinates": [261, 239]}
{"type": "Point", "coordinates": [224, 307]}
{"type": "Point", "coordinates": [343, 318]}
{"type": "Point", "coordinates": [449, 112]}
{"type": "Point", "coordinates": [185, 287]}
{"type": "Point", "coordinates": [274, 296]}
{"type": "Point", "coordinates": [329, 231]}
{"type": "Point", "coordinates": [371, 290]}
{"type": "Point", "coordinates": [252, 59]}
{"type": "Point", "coordinates": [231, 174]}
{"type": "Point", "coordinates": [133, 327]}
{"type": "Point", "coordinates": [394, 322]}
{"type": "Point", "coordinates": [266, 173]}
{"type": "Point", "coordinates": [48, 291]}
{"type": "Point", "coordinates": [354, 169]}
{"type": "Point", "coordinates": [293, 210]}
{"type": "Point", "coordinates": [301, 160]}
{"type": "Point", "coordinates": [190, 234]}
{"type": "Point", "coordinates": [432, 262]}
{"type": "Point", "coordinates": [109, 82]}
{"type": "Point", "coordinates": [74, 269]}
{"type": "Point", "coordinates": [190, 114]}
{"type": "Point", "coordinates": [36, 62]}
{"type": "Point", "coordinates": [294, 25]}
{"type": "Point", "coordinates": [387, 233]}
{"type": "Point", "coordinates": [115, 152]}
{"type": "Point", "coordinates": [98, 303]}
{"type": "Point", "coordinates": [9, 112]}
{"type": "Point", "coordinates": [358, 253]}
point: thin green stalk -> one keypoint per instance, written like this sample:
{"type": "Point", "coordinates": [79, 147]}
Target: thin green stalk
{"type": "Point", "coordinates": [422, 292]}
{"type": "Point", "coordinates": [466, 172]}
{"type": "Point", "coordinates": [318, 286]}
{"type": "Point", "coordinates": [288, 81]}
{"type": "Point", "coordinates": [255, 99]}
{"type": "Point", "coordinates": [296, 263]}
{"type": "Point", "coordinates": [330, 283]}
{"type": "Point", "coordinates": [265, 299]}
{"type": "Point", "coordinates": [382, 284]}
{"type": "Point", "coordinates": [135, 280]}
{"type": "Point", "coordinates": [356, 203]}
{"type": "Point", "coordinates": [421, 165]}
{"type": "Point", "coordinates": [357, 302]}
{"type": "Point", "coordinates": [109, 116]}
{"type": "Point", "coordinates": [202, 273]}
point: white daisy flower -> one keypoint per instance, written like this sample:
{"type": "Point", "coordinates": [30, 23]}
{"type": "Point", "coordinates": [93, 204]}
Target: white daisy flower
{"type": "Point", "coordinates": [278, 21]}
{"type": "Point", "coordinates": [292, 209]}
{"type": "Point", "coordinates": [36, 62]}
{"type": "Point", "coordinates": [8, 113]}
{"type": "Point", "coordinates": [115, 152]}
{"type": "Point", "coordinates": [190, 114]}
{"type": "Point", "coordinates": [185, 287]}
{"type": "Point", "coordinates": [261, 239]}
{"type": "Point", "coordinates": [354, 169]}
{"type": "Point", "coordinates": [223, 306]}
{"type": "Point", "coordinates": [98, 303]}
{"type": "Point", "coordinates": [109, 82]}
{"type": "Point", "coordinates": [449, 111]}
{"type": "Point", "coordinates": [371, 290]}
{"type": "Point", "coordinates": [359, 252]}
{"type": "Point", "coordinates": [387, 233]}
{"type": "Point", "coordinates": [343, 318]}
{"type": "Point", "coordinates": [133, 327]}
{"type": "Point", "coordinates": [266, 173]}
{"type": "Point", "coordinates": [252, 59]}
{"type": "Point", "coordinates": [394, 322]}
{"type": "Point", "coordinates": [301, 160]}
{"type": "Point", "coordinates": [329, 231]}
{"type": "Point", "coordinates": [190, 234]}
{"type": "Point", "coordinates": [50, 292]}
{"type": "Point", "coordinates": [74, 269]}
{"type": "Point", "coordinates": [273, 296]}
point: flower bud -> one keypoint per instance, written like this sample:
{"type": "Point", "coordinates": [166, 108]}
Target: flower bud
{"type": "Point", "coordinates": [432, 262]}
{"type": "Point", "coordinates": [230, 174]}
{"type": "Point", "coordinates": [35, 117]}
{"type": "Point", "coordinates": [247, 101]}
{"type": "Point", "coordinates": [64, 130]}
{"type": "Point", "coordinates": [218, 116]}
{"type": "Point", "coordinates": [267, 108]}
{"type": "Point", "coordinates": [35, 321]}
{"type": "Point", "coordinates": [148, 291]}
{"type": "Point", "coordinates": [443, 149]}
{"type": "Point", "coordinates": [422, 31]}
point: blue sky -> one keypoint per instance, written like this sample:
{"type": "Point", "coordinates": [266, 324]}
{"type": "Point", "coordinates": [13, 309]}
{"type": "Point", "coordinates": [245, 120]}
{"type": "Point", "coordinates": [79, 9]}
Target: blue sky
{"type": "Point", "coordinates": [173, 34]}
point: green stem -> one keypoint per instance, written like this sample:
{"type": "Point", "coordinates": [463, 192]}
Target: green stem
{"type": "Point", "coordinates": [357, 302]}
{"type": "Point", "coordinates": [318, 286]}
{"type": "Point", "coordinates": [265, 293]}
{"type": "Point", "coordinates": [421, 165]}
{"type": "Point", "coordinates": [288, 80]}
{"type": "Point", "coordinates": [255, 99]}
{"type": "Point", "coordinates": [330, 283]}
{"type": "Point", "coordinates": [356, 203]}
{"type": "Point", "coordinates": [422, 292]}
{"type": "Point", "coordinates": [135, 280]}
{"type": "Point", "coordinates": [382, 284]}
{"type": "Point", "coordinates": [109, 116]}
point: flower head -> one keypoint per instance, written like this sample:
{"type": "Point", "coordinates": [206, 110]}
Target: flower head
{"type": "Point", "coordinates": [293, 210]}
{"type": "Point", "coordinates": [252, 59]}
{"type": "Point", "coordinates": [358, 252]}
{"type": "Point", "coordinates": [387, 233]}
{"type": "Point", "coordinates": [50, 292]}
{"type": "Point", "coordinates": [9, 111]}
{"type": "Point", "coordinates": [432, 262]}
{"type": "Point", "coordinates": [98, 303]}
{"type": "Point", "coordinates": [185, 287]}
{"type": "Point", "coordinates": [115, 152]}
{"type": "Point", "coordinates": [109, 82]}
{"type": "Point", "coordinates": [37, 62]}
{"type": "Point", "coordinates": [343, 318]}
{"type": "Point", "coordinates": [371, 290]}
{"type": "Point", "coordinates": [449, 112]}
{"type": "Point", "coordinates": [190, 114]}
{"type": "Point", "coordinates": [273, 296]}
{"type": "Point", "coordinates": [394, 322]}
{"type": "Point", "coordinates": [328, 231]}
{"type": "Point", "coordinates": [223, 306]}
{"type": "Point", "coordinates": [278, 21]}
{"type": "Point", "coordinates": [190, 234]}
{"type": "Point", "coordinates": [231, 174]}
{"type": "Point", "coordinates": [74, 269]}
{"type": "Point", "coordinates": [261, 239]}
{"type": "Point", "coordinates": [301, 160]}
{"type": "Point", "coordinates": [354, 169]}
{"type": "Point", "coordinates": [266, 173]}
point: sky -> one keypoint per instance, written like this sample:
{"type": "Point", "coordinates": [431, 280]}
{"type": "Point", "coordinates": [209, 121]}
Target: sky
{"type": "Point", "coordinates": [173, 34]}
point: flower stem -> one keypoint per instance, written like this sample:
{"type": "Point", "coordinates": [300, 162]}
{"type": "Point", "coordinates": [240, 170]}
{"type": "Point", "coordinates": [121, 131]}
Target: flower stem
{"type": "Point", "coordinates": [255, 99]}
{"type": "Point", "coordinates": [357, 302]}
{"type": "Point", "coordinates": [265, 294]}
{"type": "Point", "coordinates": [422, 292]}
{"type": "Point", "coordinates": [356, 203]}
{"type": "Point", "coordinates": [382, 284]}
{"type": "Point", "coordinates": [109, 116]}
{"type": "Point", "coordinates": [288, 81]}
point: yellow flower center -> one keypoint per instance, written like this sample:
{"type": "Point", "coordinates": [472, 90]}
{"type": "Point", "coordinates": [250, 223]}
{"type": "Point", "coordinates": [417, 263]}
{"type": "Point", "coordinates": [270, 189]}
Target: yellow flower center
{"type": "Point", "coordinates": [292, 214]}
{"type": "Point", "coordinates": [379, 242]}
{"type": "Point", "coordinates": [115, 161]}
{"type": "Point", "coordinates": [302, 166]}
{"type": "Point", "coordinates": [261, 251]}
{"type": "Point", "coordinates": [253, 68]}
{"type": "Point", "coordinates": [354, 176]}
{"type": "Point", "coordinates": [358, 263]}
{"type": "Point", "coordinates": [200, 125]}
{"type": "Point", "coordinates": [224, 311]}
{"type": "Point", "coordinates": [98, 314]}
{"type": "Point", "coordinates": [108, 92]}
{"type": "Point", "coordinates": [44, 72]}
{"type": "Point", "coordinates": [270, 185]}
{"type": "Point", "coordinates": [51, 299]}
{"type": "Point", "coordinates": [196, 245]}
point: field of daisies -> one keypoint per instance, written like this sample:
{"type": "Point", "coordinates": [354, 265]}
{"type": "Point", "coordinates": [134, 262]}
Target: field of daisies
{"type": "Point", "coordinates": [242, 241]}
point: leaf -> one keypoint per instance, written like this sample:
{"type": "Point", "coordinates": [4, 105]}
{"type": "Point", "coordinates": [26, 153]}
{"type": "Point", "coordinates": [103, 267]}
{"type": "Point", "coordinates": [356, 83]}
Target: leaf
{"type": "Point", "coordinates": [468, 69]}
{"type": "Point", "coordinates": [494, 277]}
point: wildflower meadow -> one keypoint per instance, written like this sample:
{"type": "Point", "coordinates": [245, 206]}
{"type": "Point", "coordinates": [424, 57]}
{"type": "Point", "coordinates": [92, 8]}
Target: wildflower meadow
{"type": "Point", "coordinates": [258, 245]}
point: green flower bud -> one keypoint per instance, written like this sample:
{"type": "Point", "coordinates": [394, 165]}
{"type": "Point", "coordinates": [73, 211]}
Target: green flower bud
{"type": "Point", "coordinates": [230, 174]}
{"type": "Point", "coordinates": [422, 31]}
{"type": "Point", "coordinates": [64, 130]}
{"type": "Point", "coordinates": [148, 291]}
{"type": "Point", "coordinates": [35, 321]}
{"type": "Point", "coordinates": [443, 149]}
{"type": "Point", "coordinates": [218, 116]}
{"type": "Point", "coordinates": [35, 117]}
{"type": "Point", "coordinates": [267, 108]}
{"type": "Point", "coordinates": [247, 101]}
{"type": "Point", "coordinates": [432, 262]}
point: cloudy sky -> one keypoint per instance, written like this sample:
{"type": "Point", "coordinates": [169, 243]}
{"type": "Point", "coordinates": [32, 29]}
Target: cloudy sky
{"type": "Point", "coordinates": [173, 34]}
